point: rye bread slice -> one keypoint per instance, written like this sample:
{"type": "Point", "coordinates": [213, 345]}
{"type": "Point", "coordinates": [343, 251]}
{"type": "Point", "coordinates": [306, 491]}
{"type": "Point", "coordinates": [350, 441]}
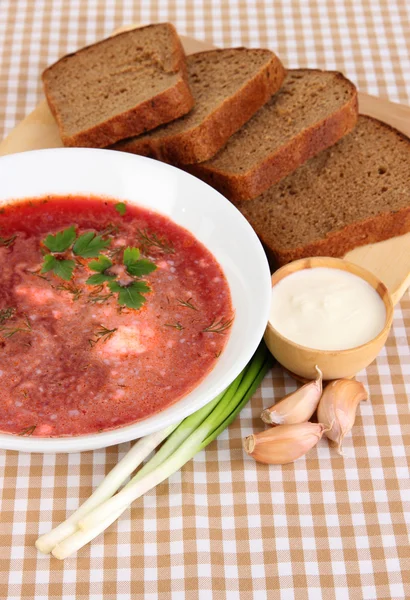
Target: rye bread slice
{"type": "Point", "coordinates": [355, 193]}
{"type": "Point", "coordinates": [121, 86]}
{"type": "Point", "coordinates": [312, 111]}
{"type": "Point", "coordinates": [229, 86]}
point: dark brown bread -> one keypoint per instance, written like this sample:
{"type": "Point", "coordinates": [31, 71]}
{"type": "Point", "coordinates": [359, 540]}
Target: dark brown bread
{"type": "Point", "coordinates": [121, 86]}
{"type": "Point", "coordinates": [311, 112]}
{"type": "Point", "coordinates": [355, 193]}
{"type": "Point", "coordinates": [229, 86]}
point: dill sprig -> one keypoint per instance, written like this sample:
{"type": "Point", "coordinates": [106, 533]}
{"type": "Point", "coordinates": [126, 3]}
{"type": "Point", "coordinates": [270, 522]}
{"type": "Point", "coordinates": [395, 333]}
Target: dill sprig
{"type": "Point", "coordinates": [99, 298]}
{"type": "Point", "coordinates": [7, 242]}
{"type": "Point", "coordinates": [97, 289]}
{"type": "Point", "coordinates": [38, 274]}
{"type": "Point", "coordinates": [187, 303]}
{"type": "Point", "coordinates": [66, 287]}
{"type": "Point", "coordinates": [28, 430]}
{"type": "Point", "coordinates": [112, 252]}
{"type": "Point", "coordinates": [152, 240]}
{"type": "Point", "coordinates": [109, 230]}
{"type": "Point", "coordinates": [6, 314]}
{"type": "Point", "coordinates": [71, 288]}
{"type": "Point", "coordinates": [176, 325]}
{"type": "Point", "coordinates": [218, 326]}
{"type": "Point", "coordinates": [8, 332]}
{"type": "Point", "coordinates": [103, 334]}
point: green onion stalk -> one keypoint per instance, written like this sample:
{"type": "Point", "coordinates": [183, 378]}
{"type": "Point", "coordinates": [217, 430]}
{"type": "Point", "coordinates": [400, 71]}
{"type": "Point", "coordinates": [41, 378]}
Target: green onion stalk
{"type": "Point", "coordinates": [182, 443]}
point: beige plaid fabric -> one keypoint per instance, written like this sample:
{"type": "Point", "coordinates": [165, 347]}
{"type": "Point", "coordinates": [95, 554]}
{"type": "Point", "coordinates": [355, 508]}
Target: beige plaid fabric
{"type": "Point", "coordinates": [225, 527]}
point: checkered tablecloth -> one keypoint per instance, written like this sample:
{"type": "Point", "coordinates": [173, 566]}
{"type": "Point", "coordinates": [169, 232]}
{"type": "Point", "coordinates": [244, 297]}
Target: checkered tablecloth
{"type": "Point", "coordinates": [225, 527]}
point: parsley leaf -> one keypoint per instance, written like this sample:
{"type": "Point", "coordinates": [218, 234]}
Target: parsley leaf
{"type": "Point", "coordinates": [131, 295]}
{"type": "Point", "coordinates": [89, 245]}
{"type": "Point", "coordinates": [136, 266]}
{"type": "Point", "coordinates": [101, 264]}
{"type": "Point", "coordinates": [99, 278]}
{"type": "Point", "coordinates": [121, 208]}
{"type": "Point", "coordinates": [61, 268]}
{"type": "Point", "coordinates": [131, 255]}
{"type": "Point", "coordinates": [139, 286]}
{"type": "Point", "coordinates": [141, 267]}
{"type": "Point", "coordinates": [49, 263]}
{"type": "Point", "coordinates": [61, 241]}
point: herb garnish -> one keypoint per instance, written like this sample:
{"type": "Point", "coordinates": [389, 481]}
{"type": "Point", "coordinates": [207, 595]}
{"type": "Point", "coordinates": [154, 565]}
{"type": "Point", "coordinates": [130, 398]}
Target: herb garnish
{"type": "Point", "coordinates": [89, 245]}
{"type": "Point", "coordinates": [7, 242]}
{"type": "Point", "coordinates": [100, 266]}
{"type": "Point", "coordinates": [130, 295]}
{"type": "Point", "coordinates": [136, 266]}
{"type": "Point", "coordinates": [66, 287]}
{"type": "Point", "coordinates": [109, 230]}
{"type": "Point", "coordinates": [187, 303]}
{"type": "Point", "coordinates": [61, 267]}
{"type": "Point", "coordinates": [28, 430]}
{"type": "Point", "coordinates": [176, 325]}
{"type": "Point", "coordinates": [6, 314]}
{"type": "Point", "coordinates": [38, 274]}
{"type": "Point", "coordinates": [8, 332]}
{"type": "Point", "coordinates": [61, 241]}
{"type": "Point", "coordinates": [112, 253]}
{"type": "Point", "coordinates": [121, 208]}
{"type": "Point", "coordinates": [99, 298]}
{"type": "Point", "coordinates": [150, 239]}
{"type": "Point", "coordinates": [71, 288]}
{"type": "Point", "coordinates": [218, 326]}
{"type": "Point", "coordinates": [102, 334]}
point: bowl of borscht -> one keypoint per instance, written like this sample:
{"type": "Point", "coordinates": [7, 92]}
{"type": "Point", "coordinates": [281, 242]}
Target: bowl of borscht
{"type": "Point", "coordinates": [131, 294]}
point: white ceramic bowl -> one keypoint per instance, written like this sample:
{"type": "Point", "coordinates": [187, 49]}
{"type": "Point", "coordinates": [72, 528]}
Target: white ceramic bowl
{"type": "Point", "coordinates": [190, 203]}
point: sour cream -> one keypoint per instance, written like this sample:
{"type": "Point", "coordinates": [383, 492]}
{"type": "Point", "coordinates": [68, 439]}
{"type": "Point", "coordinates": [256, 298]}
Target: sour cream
{"type": "Point", "coordinates": [326, 309]}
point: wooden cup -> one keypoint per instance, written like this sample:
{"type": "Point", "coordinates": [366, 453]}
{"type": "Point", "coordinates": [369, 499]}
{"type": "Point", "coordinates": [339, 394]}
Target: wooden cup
{"type": "Point", "coordinates": [334, 364]}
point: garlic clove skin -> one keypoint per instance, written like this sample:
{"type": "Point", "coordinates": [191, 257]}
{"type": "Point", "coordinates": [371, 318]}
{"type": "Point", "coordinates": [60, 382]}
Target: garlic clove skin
{"type": "Point", "coordinates": [337, 408]}
{"type": "Point", "coordinates": [296, 407]}
{"type": "Point", "coordinates": [284, 444]}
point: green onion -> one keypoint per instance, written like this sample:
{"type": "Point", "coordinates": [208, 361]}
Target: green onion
{"type": "Point", "coordinates": [76, 541]}
{"type": "Point", "coordinates": [106, 489]}
{"type": "Point", "coordinates": [191, 436]}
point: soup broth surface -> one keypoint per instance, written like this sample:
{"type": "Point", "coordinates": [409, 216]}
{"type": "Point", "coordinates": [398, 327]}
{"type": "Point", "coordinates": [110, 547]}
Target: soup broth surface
{"type": "Point", "coordinates": [81, 354]}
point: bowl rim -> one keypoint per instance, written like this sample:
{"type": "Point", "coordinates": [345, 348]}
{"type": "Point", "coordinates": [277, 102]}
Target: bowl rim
{"type": "Point", "coordinates": [132, 431]}
{"type": "Point", "coordinates": [335, 263]}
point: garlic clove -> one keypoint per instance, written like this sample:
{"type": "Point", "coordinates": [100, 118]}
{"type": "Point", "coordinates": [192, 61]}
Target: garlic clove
{"type": "Point", "coordinates": [337, 408]}
{"type": "Point", "coordinates": [283, 444]}
{"type": "Point", "coordinates": [296, 407]}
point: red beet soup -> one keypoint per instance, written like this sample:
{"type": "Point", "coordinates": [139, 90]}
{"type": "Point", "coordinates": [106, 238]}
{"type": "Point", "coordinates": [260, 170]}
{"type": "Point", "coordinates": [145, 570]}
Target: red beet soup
{"type": "Point", "coordinates": [109, 313]}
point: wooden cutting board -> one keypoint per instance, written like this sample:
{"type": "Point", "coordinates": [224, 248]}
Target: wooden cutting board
{"type": "Point", "coordinates": [388, 260]}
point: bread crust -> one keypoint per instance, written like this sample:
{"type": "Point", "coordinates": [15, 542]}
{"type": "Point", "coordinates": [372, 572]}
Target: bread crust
{"type": "Point", "coordinates": [170, 104]}
{"type": "Point", "coordinates": [337, 244]}
{"type": "Point", "coordinates": [203, 141]}
{"type": "Point", "coordinates": [309, 142]}
{"type": "Point", "coordinates": [375, 229]}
